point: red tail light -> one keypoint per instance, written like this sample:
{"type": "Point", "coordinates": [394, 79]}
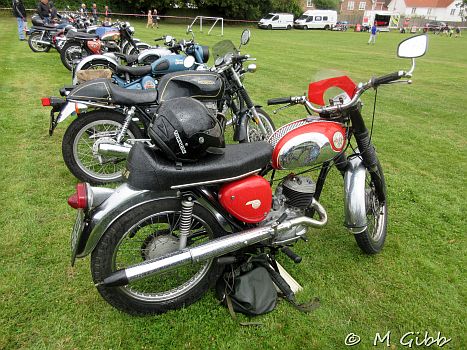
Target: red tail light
{"type": "Point", "coordinates": [45, 101]}
{"type": "Point", "coordinates": [79, 199]}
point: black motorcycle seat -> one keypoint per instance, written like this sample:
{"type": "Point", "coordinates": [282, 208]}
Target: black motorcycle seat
{"type": "Point", "coordinates": [103, 91]}
{"type": "Point", "coordinates": [43, 27]}
{"type": "Point", "coordinates": [81, 36]}
{"type": "Point", "coordinates": [131, 97]}
{"type": "Point", "coordinates": [134, 71]}
{"type": "Point", "coordinates": [129, 59]}
{"type": "Point", "coordinates": [148, 169]}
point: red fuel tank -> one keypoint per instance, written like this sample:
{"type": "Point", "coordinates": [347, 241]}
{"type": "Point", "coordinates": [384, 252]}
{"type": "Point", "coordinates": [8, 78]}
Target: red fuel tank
{"type": "Point", "coordinates": [249, 199]}
{"type": "Point", "coordinates": [307, 142]}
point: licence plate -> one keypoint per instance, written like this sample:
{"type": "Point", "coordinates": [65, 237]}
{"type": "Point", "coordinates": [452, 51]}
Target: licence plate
{"type": "Point", "coordinates": [76, 234]}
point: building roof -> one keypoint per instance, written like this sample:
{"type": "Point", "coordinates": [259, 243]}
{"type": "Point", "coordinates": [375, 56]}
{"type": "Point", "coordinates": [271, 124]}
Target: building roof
{"type": "Point", "coordinates": [428, 3]}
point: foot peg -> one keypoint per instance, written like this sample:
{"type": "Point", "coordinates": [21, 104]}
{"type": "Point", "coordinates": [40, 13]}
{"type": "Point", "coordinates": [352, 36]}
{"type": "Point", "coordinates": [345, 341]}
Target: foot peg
{"type": "Point", "coordinates": [295, 258]}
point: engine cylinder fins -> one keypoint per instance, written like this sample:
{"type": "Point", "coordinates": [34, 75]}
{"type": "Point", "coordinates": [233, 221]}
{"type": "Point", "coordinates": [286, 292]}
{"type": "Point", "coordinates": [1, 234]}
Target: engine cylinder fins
{"type": "Point", "coordinates": [299, 191]}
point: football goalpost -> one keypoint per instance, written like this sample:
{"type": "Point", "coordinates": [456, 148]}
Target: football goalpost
{"type": "Point", "coordinates": [215, 19]}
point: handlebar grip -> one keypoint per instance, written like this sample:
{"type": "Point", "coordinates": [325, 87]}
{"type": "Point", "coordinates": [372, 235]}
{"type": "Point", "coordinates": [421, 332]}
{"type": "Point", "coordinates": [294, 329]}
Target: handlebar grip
{"type": "Point", "coordinates": [387, 78]}
{"type": "Point", "coordinates": [159, 39]}
{"type": "Point", "coordinates": [239, 58]}
{"type": "Point", "coordinates": [279, 101]}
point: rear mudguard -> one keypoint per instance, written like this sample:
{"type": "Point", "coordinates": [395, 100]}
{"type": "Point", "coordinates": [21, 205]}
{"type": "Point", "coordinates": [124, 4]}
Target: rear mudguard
{"type": "Point", "coordinates": [240, 129]}
{"type": "Point", "coordinates": [94, 58]}
{"type": "Point", "coordinates": [120, 202]}
{"type": "Point", "coordinates": [354, 195]}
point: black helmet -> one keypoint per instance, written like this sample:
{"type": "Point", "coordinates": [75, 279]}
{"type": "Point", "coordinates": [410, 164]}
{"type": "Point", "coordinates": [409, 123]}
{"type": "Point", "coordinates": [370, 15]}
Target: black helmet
{"type": "Point", "coordinates": [184, 130]}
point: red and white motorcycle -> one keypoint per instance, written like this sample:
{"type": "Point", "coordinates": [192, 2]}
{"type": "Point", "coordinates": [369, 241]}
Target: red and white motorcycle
{"type": "Point", "coordinates": [159, 241]}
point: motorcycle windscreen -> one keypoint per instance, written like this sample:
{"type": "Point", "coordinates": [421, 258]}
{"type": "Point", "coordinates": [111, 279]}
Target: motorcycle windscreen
{"type": "Point", "coordinates": [206, 86]}
{"type": "Point", "coordinates": [222, 48]}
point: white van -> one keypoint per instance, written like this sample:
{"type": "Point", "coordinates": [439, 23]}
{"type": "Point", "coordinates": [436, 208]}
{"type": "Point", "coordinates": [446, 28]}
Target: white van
{"type": "Point", "coordinates": [317, 19]}
{"type": "Point", "coordinates": [276, 21]}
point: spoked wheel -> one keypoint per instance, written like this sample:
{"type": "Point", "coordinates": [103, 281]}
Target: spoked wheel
{"type": "Point", "coordinates": [254, 132]}
{"type": "Point", "coordinates": [72, 51]}
{"type": "Point", "coordinates": [371, 241]}
{"type": "Point", "coordinates": [148, 232]}
{"type": "Point", "coordinates": [35, 45]}
{"type": "Point", "coordinates": [80, 146]}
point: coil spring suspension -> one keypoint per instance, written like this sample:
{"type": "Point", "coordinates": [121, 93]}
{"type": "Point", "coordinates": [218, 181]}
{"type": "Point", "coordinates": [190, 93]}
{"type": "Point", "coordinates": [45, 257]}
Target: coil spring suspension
{"type": "Point", "coordinates": [126, 124]}
{"type": "Point", "coordinates": [185, 220]}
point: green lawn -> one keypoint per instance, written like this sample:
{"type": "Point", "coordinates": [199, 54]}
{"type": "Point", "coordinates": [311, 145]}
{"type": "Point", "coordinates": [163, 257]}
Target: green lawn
{"type": "Point", "coordinates": [417, 284]}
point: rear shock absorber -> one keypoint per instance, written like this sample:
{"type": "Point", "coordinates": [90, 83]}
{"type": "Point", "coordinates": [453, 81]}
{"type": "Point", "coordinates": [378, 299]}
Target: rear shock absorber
{"type": "Point", "coordinates": [185, 220]}
{"type": "Point", "coordinates": [126, 124]}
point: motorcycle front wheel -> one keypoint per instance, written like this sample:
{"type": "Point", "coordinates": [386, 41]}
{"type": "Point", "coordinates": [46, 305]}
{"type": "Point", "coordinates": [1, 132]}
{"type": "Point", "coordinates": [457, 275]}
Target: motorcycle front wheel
{"type": "Point", "coordinates": [35, 45]}
{"type": "Point", "coordinates": [148, 232]}
{"type": "Point", "coordinates": [72, 51]}
{"type": "Point", "coordinates": [80, 146]}
{"type": "Point", "coordinates": [371, 241]}
{"type": "Point", "coordinates": [253, 130]}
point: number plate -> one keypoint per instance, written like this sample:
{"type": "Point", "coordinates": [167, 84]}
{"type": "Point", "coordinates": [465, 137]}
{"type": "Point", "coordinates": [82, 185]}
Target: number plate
{"type": "Point", "coordinates": [76, 234]}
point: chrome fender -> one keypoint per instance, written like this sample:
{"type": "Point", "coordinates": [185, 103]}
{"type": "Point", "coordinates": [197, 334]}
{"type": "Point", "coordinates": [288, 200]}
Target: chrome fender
{"type": "Point", "coordinates": [354, 196]}
{"type": "Point", "coordinates": [119, 202]}
{"type": "Point", "coordinates": [106, 57]}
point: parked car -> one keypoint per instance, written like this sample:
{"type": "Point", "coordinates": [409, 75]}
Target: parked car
{"type": "Point", "coordinates": [276, 21]}
{"type": "Point", "coordinates": [434, 26]}
{"type": "Point", "coordinates": [341, 26]}
{"type": "Point", "coordinates": [317, 19]}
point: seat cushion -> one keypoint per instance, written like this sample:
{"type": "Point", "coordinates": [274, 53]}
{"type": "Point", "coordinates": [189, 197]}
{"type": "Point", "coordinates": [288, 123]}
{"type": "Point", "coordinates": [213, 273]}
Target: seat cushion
{"type": "Point", "coordinates": [134, 71]}
{"type": "Point", "coordinates": [148, 169]}
{"type": "Point", "coordinates": [131, 97]}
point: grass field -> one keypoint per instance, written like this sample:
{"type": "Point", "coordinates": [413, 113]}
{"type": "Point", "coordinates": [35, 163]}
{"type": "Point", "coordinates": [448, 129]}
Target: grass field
{"type": "Point", "coordinates": [417, 284]}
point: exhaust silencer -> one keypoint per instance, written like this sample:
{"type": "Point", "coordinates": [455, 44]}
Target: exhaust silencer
{"type": "Point", "coordinates": [109, 149]}
{"type": "Point", "coordinates": [211, 249]}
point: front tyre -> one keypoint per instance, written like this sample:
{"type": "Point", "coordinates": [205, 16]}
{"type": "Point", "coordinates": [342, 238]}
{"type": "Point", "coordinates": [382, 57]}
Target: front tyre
{"type": "Point", "coordinates": [371, 241]}
{"type": "Point", "coordinates": [253, 130]}
{"type": "Point", "coordinates": [148, 232]}
{"type": "Point", "coordinates": [80, 146]}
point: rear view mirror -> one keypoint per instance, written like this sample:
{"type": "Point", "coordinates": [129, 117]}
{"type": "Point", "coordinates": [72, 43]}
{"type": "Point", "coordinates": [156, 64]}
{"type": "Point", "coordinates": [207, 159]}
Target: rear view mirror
{"type": "Point", "coordinates": [245, 37]}
{"type": "Point", "coordinates": [413, 47]}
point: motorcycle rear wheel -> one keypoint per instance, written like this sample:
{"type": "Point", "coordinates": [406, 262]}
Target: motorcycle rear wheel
{"type": "Point", "coordinates": [71, 51]}
{"type": "Point", "coordinates": [80, 139]}
{"type": "Point", "coordinates": [371, 241]}
{"type": "Point", "coordinates": [148, 232]}
{"type": "Point", "coordinates": [34, 45]}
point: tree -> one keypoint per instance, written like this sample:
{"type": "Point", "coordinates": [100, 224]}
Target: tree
{"type": "Point", "coordinates": [326, 4]}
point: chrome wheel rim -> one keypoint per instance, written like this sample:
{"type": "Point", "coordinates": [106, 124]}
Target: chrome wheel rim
{"type": "Point", "coordinates": [375, 211]}
{"type": "Point", "coordinates": [253, 130]}
{"type": "Point", "coordinates": [143, 241]}
{"type": "Point", "coordinates": [98, 166]}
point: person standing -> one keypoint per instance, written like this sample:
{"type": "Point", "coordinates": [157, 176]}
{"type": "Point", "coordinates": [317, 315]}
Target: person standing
{"type": "Point", "coordinates": [20, 13]}
{"type": "Point", "coordinates": [83, 10]}
{"type": "Point", "coordinates": [94, 12]}
{"type": "Point", "coordinates": [155, 18]}
{"type": "Point", "coordinates": [373, 32]}
{"type": "Point", "coordinates": [108, 14]}
{"type": "Point", "coordinates": [43, 10]}
{"type": "Point", "coordinates": [149, 19]}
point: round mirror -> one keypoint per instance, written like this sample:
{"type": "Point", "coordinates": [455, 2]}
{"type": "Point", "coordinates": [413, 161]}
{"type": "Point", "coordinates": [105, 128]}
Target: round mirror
{"type": "Point", "coordinates": [189, 61]}
{"type": "Point", "coordinates": [413, 47]}
{"type": "Point", "coordinates": [245, 37]}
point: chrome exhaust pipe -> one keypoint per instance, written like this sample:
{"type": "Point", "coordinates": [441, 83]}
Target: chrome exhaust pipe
{"type": "Point", "coordinates": [109, 149]}
{"type": "Point", "coordinates": [211, 249]}
{"type": "Point", "coordinates": [43, 42]}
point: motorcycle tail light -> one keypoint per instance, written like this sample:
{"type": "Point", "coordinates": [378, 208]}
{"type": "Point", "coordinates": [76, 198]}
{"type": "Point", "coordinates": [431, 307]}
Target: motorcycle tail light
{"type": "Point", "coordinates": [45, 101]}
{"type": "Point", "coordinates": [79, 199]}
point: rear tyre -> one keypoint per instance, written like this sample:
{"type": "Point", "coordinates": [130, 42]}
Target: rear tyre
{"type": "Point", "coordinates": [371, 241]}
{"type": "Point", "coordinates": [34, 45]}
{"type": "Point", "coordinates": [289, 27]}
{"type": "Point", "coordinates": [269, 27]}
{"type": "Point", "coordinates": [147, 232]}
{"type": "Point", "coordinates": [72, 51]}
{"type": "Point", "coordinates": [81, 143]}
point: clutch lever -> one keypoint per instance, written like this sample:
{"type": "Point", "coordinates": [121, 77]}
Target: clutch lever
{"type": "Point", "coordinates": [283, 107]}
{"type": "Point", "coordinates": [401, 81]}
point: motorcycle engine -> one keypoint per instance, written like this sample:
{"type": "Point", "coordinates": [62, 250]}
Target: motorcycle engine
{"type": "Point", "coordinates": [292, 197]}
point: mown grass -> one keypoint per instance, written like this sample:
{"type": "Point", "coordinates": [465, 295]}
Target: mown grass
{"type": "Point", "coordinates": [417, 284]}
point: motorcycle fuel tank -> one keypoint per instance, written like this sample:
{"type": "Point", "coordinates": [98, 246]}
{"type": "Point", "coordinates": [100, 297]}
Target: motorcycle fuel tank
{"type": "Point", "coordinates": [307, 142]}
{"type": "Point", "coordinates": [249, 199]}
